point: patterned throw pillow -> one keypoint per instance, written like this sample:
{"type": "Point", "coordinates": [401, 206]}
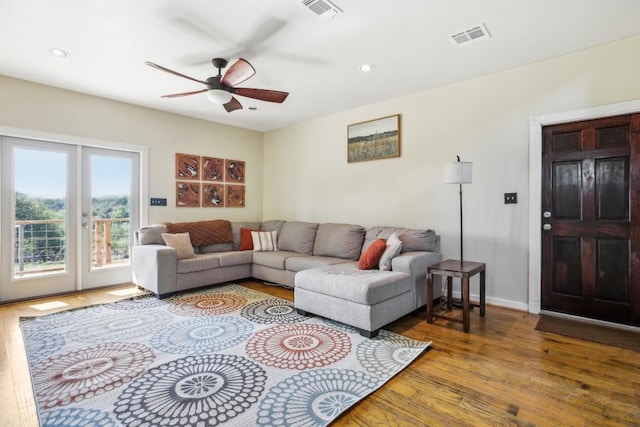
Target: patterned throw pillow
{"type": "Point", "coordinates": [371, 257]}
{"type": "Point", "coordinates": [203, 233]}
{"type": "Point", "coordinates": [181, 242]}
{"type": "Point", "coordinates": [394, 245]}
{"type": "Point", "coordinates": [246, 241]}
{"type": "Point", "coordinates": [264, 241]}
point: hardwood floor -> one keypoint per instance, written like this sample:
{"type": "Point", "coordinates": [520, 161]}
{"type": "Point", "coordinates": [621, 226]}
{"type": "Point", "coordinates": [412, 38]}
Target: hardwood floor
{"type": "Point", "coordinates": [502, 373]}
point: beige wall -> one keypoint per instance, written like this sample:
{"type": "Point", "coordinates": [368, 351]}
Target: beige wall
{"type": "Point", "coordinates": [485, 120]}
{"type": "Point", "coordinates": [35, 107]}
{"type": "Point", "coordinates": [300, 172]}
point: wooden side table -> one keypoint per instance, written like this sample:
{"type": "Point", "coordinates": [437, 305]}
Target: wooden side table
{"type": "Point", "coordinates": [455, 268]}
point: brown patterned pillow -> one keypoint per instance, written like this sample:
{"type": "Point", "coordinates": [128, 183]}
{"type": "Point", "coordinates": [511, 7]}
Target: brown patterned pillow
{"type": "Point", "coordinates": [203, 232]}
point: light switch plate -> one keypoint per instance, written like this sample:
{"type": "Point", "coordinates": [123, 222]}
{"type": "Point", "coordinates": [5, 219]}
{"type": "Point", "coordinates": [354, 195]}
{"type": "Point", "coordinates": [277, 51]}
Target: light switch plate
{"type": "Point", "coordinates": [158, 202]}
{"type": "Point", "coordinates": [510, 198]}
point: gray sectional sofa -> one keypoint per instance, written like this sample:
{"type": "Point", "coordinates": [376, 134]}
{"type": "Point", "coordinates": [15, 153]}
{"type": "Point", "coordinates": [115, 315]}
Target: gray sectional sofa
{"type": "Point", "coordinates": [320, 261]}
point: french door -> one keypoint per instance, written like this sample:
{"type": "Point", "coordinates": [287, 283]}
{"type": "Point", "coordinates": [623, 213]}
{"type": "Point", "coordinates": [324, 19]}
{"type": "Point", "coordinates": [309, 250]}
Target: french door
{"type": "Point", "coordinates": [591, 219]}
{"type": "Point", "coordinates": [67, 217]}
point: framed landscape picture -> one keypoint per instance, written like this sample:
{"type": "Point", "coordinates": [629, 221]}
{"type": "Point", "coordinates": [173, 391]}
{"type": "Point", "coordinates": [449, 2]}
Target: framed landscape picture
{"type": "Point", "coordinates": [374, 139]}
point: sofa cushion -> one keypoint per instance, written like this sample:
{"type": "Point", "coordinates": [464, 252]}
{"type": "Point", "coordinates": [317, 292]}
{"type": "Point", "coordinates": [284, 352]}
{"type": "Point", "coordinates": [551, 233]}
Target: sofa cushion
{"type": "Point", "coordinates": [339, 240]}
{"type": "Point", "coordinates": [228, 259]}
{"type": "Point", "coordinates": [264, 241]}
{"type": "Point", "coordinates": [236, 226]}
{"type": "Point", "coordinates": [412, 239]}
{"type": "Point", "coordinates": [217, 247]}
{"type": "Point", "coordinates": [346, 281]}
{"type": "Point", "coordinates": [199, 263]}
{"type": "Point", "coordinates": [151, 234]}
{"type": "Point", "coordinates": [305, 262]}
{"type": "Point", "coordinates": [181, 243]}
{"type": "Point", "coordinates": [275, 260]}
{"type": "Point", "coordinates": [418, 240]}
{"type": "Point", "coordinates": [372, 255]}
{"type": "Point", "coordinates": [296, 236]}
{"type": "Point", "coordinates": [203, 233]}
{"type": "Point", "coordinates": [274, 225]}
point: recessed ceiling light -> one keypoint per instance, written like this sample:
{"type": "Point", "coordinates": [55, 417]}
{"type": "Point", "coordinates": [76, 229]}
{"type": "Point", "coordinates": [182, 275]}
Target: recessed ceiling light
{"type": "Point", "coordinates": [58, 52]}
{"type": "Point", "coordinates": [365, 68]}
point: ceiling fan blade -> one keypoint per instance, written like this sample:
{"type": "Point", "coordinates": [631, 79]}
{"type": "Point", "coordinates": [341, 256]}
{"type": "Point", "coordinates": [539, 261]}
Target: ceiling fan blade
{"type": "Point", "coordinates": [232, 105]}
{"type": "Point", "coordinates": [261, 94]}
{"type": "Point", "coordinates": [178, 95]}
{"type": "Point", "coordinates": [239, 72]}
{"type": "Point", "coordinates": [175, 73]}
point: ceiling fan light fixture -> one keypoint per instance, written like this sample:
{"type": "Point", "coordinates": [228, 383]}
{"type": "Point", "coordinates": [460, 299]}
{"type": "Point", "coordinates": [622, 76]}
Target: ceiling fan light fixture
{"type": "Point", "coordinates": [219, 96]}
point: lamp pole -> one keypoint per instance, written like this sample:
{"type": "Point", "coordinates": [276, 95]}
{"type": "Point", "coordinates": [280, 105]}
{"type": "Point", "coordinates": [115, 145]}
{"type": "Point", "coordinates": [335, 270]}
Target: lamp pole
{"type": "Point", "coordinates": [461, 250]}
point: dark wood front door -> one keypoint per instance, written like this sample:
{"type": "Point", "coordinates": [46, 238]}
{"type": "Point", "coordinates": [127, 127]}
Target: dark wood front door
{"type": "Point", "coordinates": [590, 216]}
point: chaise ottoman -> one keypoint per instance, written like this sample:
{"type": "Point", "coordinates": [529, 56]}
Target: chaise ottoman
{"type": "Point", "coordinates": [364, 299]}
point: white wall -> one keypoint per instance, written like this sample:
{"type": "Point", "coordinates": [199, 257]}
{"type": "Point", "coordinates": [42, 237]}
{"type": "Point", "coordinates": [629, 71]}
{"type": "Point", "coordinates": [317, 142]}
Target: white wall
{"type": "Point", "coordinates": [485, 120]}
{"type": "Point", "coordinates": [35, 107]}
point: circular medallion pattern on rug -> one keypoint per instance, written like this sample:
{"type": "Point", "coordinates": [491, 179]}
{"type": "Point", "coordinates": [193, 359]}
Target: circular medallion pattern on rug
{"type": "Point", "coordinates": [120, 326]}
{"type": "Point", "coordinates": [87, 372]}
{"type": "Point", "coordinates": [43, 344]}
{"type": "Point", "coordinates": [77, 417]}
{"type": "Point", "coordinates": [270, 311]}
{"type": "Point", "coordinates": [314, 398]}
{"type": "Point", "coordinates": [206, 304]}
{"type": "Point", "coordinates": [385, 357]}
{"type": "Point", "coordinates": [202, 390]}
{"type": "Point", "coordinates": [298, 346]}
{"type": "Point", "coordinates": [202, 335]}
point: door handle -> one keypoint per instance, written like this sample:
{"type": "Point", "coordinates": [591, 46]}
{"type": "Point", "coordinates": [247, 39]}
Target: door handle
{"type": "Point", "coordinates": [546, 227]}
{"type": "Point", "coordinates": [546, 214]}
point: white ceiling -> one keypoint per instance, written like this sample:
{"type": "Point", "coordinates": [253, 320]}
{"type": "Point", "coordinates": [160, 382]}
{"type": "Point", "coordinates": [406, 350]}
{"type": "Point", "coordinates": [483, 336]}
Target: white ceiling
{"type": "Point", "coordinates": [314, 59]}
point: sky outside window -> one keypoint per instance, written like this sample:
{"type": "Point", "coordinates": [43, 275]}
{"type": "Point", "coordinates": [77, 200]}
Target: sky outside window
{"type": "Point", "coordinates": [42, 174]}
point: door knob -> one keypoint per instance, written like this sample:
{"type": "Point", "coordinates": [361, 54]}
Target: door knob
{"type": "Point", "coordinates": [546, 227]}
{"type": "Point", "coordinates": [546, 214]}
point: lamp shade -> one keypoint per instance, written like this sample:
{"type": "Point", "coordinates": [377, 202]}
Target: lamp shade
{"type": "Point", "coordinates": [219, 96]}
{"type": "Point", "coordinates": [457, 173]}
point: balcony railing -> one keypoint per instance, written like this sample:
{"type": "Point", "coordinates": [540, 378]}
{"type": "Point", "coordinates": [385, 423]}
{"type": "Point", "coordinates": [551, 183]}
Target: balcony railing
{"type": "Point", "coordinates": [40, 245]}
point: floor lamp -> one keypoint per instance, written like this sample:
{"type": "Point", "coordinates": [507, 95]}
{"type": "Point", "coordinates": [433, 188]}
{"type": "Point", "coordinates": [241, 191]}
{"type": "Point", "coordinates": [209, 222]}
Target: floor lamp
{"type": "Point", "coordinates": [458, 173]}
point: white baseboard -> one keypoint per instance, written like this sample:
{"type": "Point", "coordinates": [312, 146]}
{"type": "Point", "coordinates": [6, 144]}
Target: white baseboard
{"type": "Point", "coordinates": [496, 301]}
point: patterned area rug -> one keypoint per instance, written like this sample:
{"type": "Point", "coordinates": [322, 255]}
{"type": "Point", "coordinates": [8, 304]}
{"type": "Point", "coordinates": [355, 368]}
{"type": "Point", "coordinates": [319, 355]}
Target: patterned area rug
{"type": "Point", "coordinates": [226, 355]}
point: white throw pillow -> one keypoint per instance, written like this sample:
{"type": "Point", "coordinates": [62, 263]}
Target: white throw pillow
{"type": "Point", "coordinates": [181, 242]}
{"type": "Point", "coordinates": [264, 241]}
{"type": "Point", "coordinates": [393, 249]}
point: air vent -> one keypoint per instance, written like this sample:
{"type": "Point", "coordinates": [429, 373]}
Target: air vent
{"type": "Point", "coordinates": [472, 34]}
{"type": "Point", "coordinates": [322, 8]}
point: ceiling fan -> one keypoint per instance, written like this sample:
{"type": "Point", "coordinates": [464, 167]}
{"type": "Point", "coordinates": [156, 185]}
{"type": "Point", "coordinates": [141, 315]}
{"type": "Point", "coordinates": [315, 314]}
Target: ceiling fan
{"type": "Point", "coordinates": [220, 89]}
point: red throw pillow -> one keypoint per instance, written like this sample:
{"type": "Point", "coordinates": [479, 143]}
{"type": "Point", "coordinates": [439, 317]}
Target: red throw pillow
{"type": "Point", "coordinates": [246, 242]}
{"type": "Point", "coordinates": [370, 258]}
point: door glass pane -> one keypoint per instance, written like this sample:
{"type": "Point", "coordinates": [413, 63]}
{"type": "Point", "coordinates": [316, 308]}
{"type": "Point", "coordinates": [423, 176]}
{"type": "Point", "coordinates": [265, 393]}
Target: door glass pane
{"type": "Point", "coordinates": [110, 211]}
{"type": "Point", "coordinates": [40, 182]}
